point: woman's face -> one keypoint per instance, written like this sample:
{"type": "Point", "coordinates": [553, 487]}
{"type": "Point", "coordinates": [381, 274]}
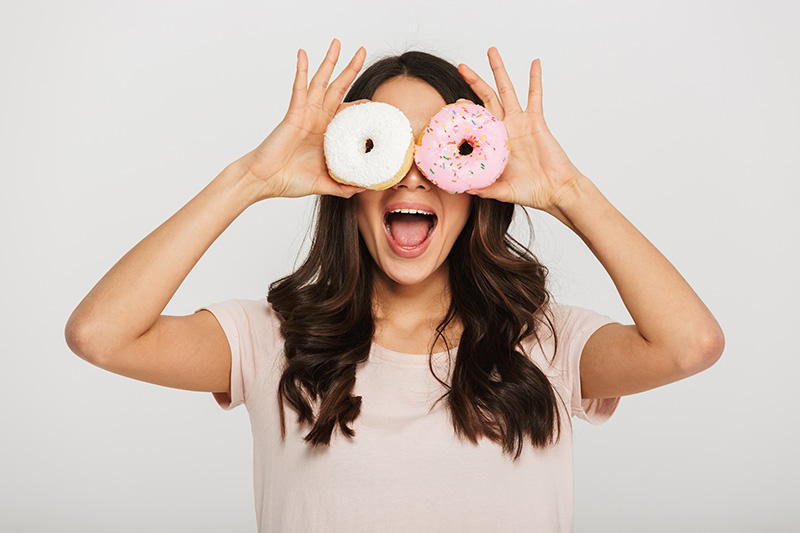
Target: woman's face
{"type": "Point", "coordinates": [397, 250]}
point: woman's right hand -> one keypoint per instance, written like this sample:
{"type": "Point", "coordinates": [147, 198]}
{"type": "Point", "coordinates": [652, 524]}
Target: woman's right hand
{"type": "Point", "coordinates": [290, 161]}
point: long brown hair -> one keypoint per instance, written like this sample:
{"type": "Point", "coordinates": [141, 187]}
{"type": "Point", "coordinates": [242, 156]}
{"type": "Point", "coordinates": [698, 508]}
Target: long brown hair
{"type": "Point", "coordinates": [325, 308]}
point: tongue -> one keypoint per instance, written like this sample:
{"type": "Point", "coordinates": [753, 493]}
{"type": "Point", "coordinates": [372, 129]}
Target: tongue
{"type": "Point", "coordinates": [409, 230]}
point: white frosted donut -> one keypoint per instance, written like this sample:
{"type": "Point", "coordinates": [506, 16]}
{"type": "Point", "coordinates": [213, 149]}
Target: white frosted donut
{"type": "Point", "coordinates": [369, 145]}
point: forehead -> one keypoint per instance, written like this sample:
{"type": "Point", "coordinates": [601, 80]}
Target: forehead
{"type": "Point", "coordinates": [414, 97]}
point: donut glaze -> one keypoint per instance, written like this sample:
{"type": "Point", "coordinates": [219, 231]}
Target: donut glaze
{"type": "Point", "coordinates": [440, 156]}
{"type": "Point", "coordinates": [369, 145]}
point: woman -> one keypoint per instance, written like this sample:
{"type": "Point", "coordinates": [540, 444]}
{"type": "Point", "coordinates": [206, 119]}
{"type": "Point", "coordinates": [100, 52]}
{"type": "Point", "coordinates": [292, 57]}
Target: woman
{"type": "Point", "coordinates": [397, 363]}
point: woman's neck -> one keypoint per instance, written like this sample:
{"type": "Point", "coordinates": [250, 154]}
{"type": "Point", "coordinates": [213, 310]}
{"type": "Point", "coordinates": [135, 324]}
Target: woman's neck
{"type": "Point", "coordinates": [406, 316]}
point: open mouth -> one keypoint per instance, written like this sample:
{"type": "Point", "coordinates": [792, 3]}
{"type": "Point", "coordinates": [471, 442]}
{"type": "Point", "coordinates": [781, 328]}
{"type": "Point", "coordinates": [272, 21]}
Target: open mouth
{"type": "Point", "coordinates": [409, 227]}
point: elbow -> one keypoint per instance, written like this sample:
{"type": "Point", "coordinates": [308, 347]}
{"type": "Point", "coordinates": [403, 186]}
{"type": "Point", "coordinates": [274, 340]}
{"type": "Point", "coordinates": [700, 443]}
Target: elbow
{"type": "Point", "coordinates": [712, 345]}
{"type": "Point", "coordinates": [75, 337]}
{"type": "Point", "coordinates": [79, 339]}
{"type": "Point", "coordinates": [706, 349]}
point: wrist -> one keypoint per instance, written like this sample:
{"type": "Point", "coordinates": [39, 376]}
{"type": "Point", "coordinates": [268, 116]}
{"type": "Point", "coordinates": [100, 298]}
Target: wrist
{"type": "Point", "coordinates": [570, 196]}
{"type": "Point", "coordinates": [245, 188]}
{"type": "Point", "coordinates": [573, 193]}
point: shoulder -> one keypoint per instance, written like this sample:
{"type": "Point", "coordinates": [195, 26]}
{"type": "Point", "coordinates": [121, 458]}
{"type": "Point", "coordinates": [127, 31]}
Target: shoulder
{"type": "Point", "coordinates": [257, 310]}
{"type": "Point", "coordinates": [572, 326]}
{"type": "Point", "coordinates": [247, 318]}
{"type": "Point", "coordinates": [572, 321]}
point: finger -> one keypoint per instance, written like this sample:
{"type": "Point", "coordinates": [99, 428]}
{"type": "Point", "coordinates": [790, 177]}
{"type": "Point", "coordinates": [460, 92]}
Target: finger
{"type": "Point", "coordinates": [298, 100]}
{"type": "Point", "coordinates": [337, 89]}
{"type": "Point", "coordinates": [504, 86]}
{"type": "Point", "coordinates": [499, 190]}
{"type": "Point", "coordinates": [535, 89]}
{"type": "Point", "coordinates": [347, 191]}
{"type": "Point", "coordinates": [316, 89]}
{"type": "Point", "coordinates": [329, 186]}
{"type": "Point", "coordinates": [483, 90]}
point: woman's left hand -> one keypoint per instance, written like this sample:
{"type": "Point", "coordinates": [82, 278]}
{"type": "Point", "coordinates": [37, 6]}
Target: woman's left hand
{"type": "Point", "coordinates": [538, 172]}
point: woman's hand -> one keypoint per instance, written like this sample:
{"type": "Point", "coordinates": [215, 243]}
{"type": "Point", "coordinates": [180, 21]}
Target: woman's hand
{"type": "Point", "coordinates": [538, 171]}
{"type": "Point", "coordinates": [290, 161]}
{"type": "Point", "coordinates": [675, 335]}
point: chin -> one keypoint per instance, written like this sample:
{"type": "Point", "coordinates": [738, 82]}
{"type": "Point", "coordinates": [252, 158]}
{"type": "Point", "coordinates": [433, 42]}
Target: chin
{"type": "Point", "coordinates": [409, 274]}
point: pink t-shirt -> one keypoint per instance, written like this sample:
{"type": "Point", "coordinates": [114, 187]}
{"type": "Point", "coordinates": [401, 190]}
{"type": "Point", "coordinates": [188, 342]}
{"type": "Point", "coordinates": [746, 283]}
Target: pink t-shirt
{"type": "Point", "coordinates": [405, 470]}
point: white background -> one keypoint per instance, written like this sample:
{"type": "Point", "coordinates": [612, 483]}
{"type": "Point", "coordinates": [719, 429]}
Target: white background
{"type": "Point", "coordinates": [114, 114]}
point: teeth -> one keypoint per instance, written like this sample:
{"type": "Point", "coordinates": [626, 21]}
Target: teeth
{"type": "Point", "coordinates": [411, 211]}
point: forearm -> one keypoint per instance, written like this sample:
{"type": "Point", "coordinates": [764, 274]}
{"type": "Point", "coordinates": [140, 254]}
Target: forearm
{"type": "Point", "coordinates": [128, 300]}
{"type": "Point", "coordinates": [667, 312]}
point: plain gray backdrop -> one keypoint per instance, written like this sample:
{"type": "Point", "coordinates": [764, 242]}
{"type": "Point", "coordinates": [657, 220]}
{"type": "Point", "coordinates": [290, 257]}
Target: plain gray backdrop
{"type": "Point", "coordinates": [114, 114]}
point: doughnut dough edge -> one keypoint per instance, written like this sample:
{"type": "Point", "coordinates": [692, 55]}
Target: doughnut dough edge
{"type": "Point", "coordinates": [392, 146]}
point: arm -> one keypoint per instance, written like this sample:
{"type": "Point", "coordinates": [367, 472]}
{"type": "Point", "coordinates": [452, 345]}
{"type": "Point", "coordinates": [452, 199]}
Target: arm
{"type": "Point", "coordinates": [118, 325]}
{"type": "Point", "coordinates": [674, 335]}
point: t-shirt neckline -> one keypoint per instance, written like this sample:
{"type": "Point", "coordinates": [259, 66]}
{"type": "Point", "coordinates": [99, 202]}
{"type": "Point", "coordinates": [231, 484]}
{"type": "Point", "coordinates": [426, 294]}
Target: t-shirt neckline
{"type": "Point", "coordinates": [413, 359]}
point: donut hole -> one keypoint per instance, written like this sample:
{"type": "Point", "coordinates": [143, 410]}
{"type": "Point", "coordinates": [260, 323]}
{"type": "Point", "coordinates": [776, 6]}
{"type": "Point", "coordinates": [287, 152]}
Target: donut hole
{"type": "Point", "coordinates": [369, 146]}
{"type": "Point", "coordinates": [465, 148]}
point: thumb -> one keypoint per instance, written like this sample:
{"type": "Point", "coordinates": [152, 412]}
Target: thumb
{"type": "Point", "coordinates": [499, 190]}
{"type": "Point", "coordinates": [329, 186]}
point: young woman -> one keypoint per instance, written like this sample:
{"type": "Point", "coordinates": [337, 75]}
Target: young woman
{"type": "Point", "coordinates": [428, 389]}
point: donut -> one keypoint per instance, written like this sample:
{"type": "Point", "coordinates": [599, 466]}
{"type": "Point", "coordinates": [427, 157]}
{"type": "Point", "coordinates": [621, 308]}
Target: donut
{"type": "Point", "coordinates": [463, 147]}
{"type": "Point", "coordinates": [369, 145]}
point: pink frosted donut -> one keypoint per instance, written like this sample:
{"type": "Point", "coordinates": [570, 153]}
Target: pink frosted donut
{"type": "Point", "coordinates": [463, 147]}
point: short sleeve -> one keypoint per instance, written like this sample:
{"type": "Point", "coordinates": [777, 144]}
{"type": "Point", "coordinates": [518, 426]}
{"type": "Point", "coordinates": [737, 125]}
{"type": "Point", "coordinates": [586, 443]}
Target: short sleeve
{"type": "Point", "coordinates": [574, 327]}
{"type": "Point", "coordinates": [250, 328]}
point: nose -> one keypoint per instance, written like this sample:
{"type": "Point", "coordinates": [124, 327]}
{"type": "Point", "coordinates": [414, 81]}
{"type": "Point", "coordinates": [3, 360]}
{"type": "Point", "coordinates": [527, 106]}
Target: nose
{"type": "Point", "coordinates": [414, 180]}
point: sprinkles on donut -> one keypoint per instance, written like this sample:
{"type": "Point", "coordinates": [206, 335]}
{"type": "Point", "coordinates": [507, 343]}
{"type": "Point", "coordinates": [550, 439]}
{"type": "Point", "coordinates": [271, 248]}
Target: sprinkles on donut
{"type": "Point", "coordinates": [463, 147]}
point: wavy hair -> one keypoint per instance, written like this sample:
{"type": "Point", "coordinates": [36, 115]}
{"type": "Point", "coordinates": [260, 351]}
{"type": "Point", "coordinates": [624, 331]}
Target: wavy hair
{"type": "Point", "coordinates": [325, 310]}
